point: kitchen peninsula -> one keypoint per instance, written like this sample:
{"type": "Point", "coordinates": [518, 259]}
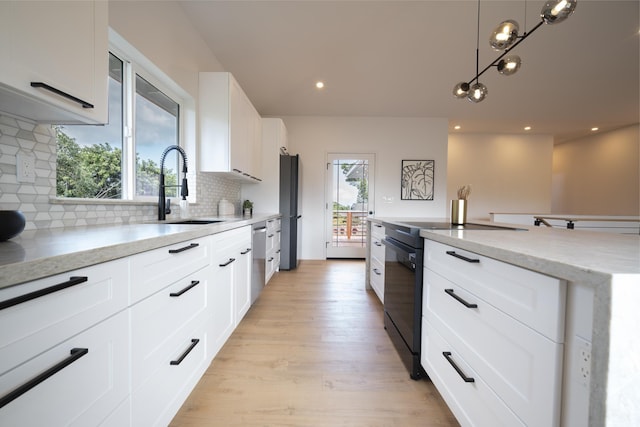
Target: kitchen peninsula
{"type": "Point", "coordinates": [597, 286]}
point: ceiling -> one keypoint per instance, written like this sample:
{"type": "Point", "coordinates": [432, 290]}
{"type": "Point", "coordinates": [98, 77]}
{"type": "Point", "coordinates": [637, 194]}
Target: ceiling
{"type": "Point", "coordinates": [402, 59]}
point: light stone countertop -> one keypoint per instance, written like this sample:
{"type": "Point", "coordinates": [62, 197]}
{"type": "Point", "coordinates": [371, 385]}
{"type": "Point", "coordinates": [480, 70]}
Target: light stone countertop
{"type": "Point", "coordinates": [36, 254]}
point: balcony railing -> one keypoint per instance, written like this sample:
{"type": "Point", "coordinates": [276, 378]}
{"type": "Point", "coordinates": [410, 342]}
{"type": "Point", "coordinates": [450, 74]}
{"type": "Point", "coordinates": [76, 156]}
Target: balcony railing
{"type": "Point", "coordinates": [349, 228]}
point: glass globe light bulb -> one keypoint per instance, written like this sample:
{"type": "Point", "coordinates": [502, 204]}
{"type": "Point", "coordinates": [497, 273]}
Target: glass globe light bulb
{"type": "Point", "coordinates": [509, 65]}
{"type": "Point", "coordinates": [477, 93]}
{"type": "Point", "coordinates": [504, 35]}
{"type": "Point", "coordinates": [556, 11]}
{"type": "Point", "coordinates": [461, 90]}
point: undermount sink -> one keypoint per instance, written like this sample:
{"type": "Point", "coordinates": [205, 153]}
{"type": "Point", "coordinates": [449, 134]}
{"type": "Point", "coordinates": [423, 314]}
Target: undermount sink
{"type": "Point", "coordinates": [198, 221]}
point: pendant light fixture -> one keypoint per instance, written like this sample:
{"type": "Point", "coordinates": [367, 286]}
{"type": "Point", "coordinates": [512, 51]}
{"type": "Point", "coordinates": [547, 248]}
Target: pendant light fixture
{"type": "Point", "coordinates": [504, 38]}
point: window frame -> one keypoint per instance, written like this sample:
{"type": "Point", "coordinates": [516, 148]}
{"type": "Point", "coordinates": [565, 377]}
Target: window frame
{"type": "Point", "coordinates": [135, 64]}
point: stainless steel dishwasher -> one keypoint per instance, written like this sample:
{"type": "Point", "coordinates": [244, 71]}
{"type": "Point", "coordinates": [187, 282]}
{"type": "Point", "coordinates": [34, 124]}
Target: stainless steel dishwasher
{"type": "Point", "coordinates": [259, 246]}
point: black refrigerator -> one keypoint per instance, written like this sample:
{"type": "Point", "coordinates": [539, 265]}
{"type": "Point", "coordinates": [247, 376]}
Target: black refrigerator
{"type": "Point", "coordinates": [289, 209]}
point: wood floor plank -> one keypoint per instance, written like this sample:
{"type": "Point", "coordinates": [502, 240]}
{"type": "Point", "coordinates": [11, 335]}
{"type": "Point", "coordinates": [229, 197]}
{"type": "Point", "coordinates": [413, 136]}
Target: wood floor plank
{"type": "Point", "coordinates": [312, 351]}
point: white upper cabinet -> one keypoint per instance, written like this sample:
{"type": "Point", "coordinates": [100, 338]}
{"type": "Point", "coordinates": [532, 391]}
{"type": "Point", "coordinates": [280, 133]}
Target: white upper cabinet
{"type": "Point", "coordinates": [230, 129]}
{"type": "Point", "coordinates": [266, 194]}
{"type": "Point", "coordinates": [61, 48]}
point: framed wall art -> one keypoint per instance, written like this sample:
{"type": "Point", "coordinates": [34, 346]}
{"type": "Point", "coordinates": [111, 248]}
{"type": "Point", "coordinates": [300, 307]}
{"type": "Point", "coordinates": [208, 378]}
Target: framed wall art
{"type": "Point", "coordinates": [417, 180]}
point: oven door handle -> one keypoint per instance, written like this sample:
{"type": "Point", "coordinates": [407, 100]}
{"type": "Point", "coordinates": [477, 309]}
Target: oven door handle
{"type": "Point", "coordinates": [399, 246]}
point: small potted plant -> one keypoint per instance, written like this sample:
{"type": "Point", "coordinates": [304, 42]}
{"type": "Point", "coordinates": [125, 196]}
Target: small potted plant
{"type": "Point", "coordinates": [247, 207]}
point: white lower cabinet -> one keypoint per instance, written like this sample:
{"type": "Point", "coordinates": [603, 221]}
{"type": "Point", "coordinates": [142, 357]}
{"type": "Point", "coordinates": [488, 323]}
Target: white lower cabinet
{"type": "Point", "coordinates": [272, 254]}
{"type": "Point", "coordinates": [230, 288]}
{"type": "Point", "coordinates": [182, 360]}
{"type": "Point", "coordinates": [85, 391]}
{"type": "Point", "coordinates": [470, 331]}
{"type": "Point", "coordinates": [123, 342]}
{"type": "Point", "coordinates": [75, 327]}
{"type": "Point", "coordinates": [168, 328]}
{"type": "Point", "coordinates": [376, 259]}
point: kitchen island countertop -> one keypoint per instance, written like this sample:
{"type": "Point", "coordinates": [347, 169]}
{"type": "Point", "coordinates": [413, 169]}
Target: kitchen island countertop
{"type": "Point", "coordinates": [41, 253]}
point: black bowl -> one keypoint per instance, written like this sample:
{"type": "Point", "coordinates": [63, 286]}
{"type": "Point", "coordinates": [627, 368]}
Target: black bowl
{"type": "Point", "coordinates": [11, 224]}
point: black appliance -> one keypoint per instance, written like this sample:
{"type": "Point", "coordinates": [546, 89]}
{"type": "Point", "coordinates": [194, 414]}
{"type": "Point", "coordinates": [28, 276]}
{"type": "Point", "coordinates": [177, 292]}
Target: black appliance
{"type": "Point", "coordinates": [404, 250]}
{"type": "Point", "coordinates": [404, 258]}
{"type": "Point", "coordinates": [289, 209]}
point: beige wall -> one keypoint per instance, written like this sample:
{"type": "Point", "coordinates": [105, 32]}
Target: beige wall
{"type": "Point", "coordinates": [391, 140]}
{"type": "Point", "coordinates": [507, 173]}
{"type": "Point", "coordinates": [598, 175]}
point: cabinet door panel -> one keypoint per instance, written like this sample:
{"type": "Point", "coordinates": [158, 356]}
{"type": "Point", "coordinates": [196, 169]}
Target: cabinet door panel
{"type": "Point", "coordinates": [83, 393]}
{"type": "Point", "coordinates": [158, 399]}
{"type": "Point", "coordinates": [473, 403]}
{"type": "Point", "coordinates": [158, 268]}
{"type": "Point", "coordinates": [519, 364]}
{"type": "Point", "coordinates": [63, 44]}
{"type": "Point", "coordinates": [533, 298]}
{"type": "Point", "coordinates": [41, 323]}
{"type": "Point", "coordinates": [156, 319]}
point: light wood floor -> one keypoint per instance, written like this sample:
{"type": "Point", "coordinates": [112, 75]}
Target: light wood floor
{"type": "Point", "coordinates": [313, 351]}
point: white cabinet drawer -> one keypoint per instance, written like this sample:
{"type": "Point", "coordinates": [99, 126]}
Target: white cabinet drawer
{"type": "Point", "coordinates": [473, 403]}
{"type": "Point", "coordinates": [184, 361]}
{"type": "Point", "coordinates": [83, 393]}
{"type": "Point", "coordinates": [158, 318]}
{"type": "Point", "coordinates": [377, 249]}
{"type": "Point", "coordinates": [376, 278]}
{"type": "Point", "coordinates": [31, 327]}
{"type": "Point", "coordinates": [377, 230]}
{"type": "Point", "coordinates": [154, 270]}
{"type": "Point", "coordinates": [533, 298]}
{"type": "Point", "coordinates": [508, 355]}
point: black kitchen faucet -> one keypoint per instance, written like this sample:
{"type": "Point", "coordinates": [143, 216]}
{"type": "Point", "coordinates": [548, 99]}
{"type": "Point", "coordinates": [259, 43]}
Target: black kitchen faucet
{"type": "Point", "coordinates": [164, 209]}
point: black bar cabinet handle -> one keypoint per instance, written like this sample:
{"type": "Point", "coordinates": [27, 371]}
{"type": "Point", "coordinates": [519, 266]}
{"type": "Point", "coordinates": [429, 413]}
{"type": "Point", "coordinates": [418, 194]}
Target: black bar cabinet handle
{"type": "Point", "coordinates": [462, 257]}
{"type": "Point", "coordinates": [245, 252]}
{"type": "Point", "coordinates": [186, 248]}
{"type": "Point", "coordinates": [194, 343]}
{"type": "Point", "coordinates": [74, 280]}
{"type": "Point", "coordinates": [45, 86]}
{"type": "Point", "coordinates": [460, 300]}
{"type": "Point", "coordinates": [447, 355]}
{"type": "Point", "coordinates": [76, 353]}
{"type": "Point", "coordinates": [227, 263]}
{"type": "Point", "coordinates": [375, 270]}
{"type": "Point", "coordinates": [377, 243]}
{"type": "Point", "coordinates": [182, 291]}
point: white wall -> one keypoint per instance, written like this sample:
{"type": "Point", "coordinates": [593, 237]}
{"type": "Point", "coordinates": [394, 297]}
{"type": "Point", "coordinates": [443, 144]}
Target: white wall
{"type": "Point", "coordinates": [161, 31]}
{"type": "Point", "coordinates": [598, 175]}
{"type": "Point", "coordinates": [507, 173]}
{"type": "Point", "coordinates": [391, 140]}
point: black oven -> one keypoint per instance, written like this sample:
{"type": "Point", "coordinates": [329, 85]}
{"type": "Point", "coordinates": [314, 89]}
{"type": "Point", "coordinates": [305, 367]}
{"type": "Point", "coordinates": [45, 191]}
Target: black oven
{"type": "Point", "coordinates": [403, 293]}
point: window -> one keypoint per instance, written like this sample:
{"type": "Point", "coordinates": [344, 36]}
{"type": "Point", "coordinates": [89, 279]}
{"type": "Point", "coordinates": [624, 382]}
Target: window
{"type": "Point", "coordinates": [121, 160]}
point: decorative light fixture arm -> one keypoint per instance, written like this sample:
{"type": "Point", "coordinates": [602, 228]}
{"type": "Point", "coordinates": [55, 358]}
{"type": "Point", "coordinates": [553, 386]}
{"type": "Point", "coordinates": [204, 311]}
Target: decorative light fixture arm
{"type": "Point", "coordinates": [163, 208]}
{"type": "Point", "coordinates": [505, 38]}
{"type": "Point", "coordinates": [495, 62]}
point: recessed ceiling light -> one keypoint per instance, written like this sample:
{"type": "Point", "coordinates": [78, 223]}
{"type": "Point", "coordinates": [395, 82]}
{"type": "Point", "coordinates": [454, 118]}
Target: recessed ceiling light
{"type": "Point", "coordinates": [594, 129]}
{"type": "Point", "coordinates": [527, 128]}
{"type": "Point", "coordinates": [456, 127]}
{"type": "Point", "coordinates": [319, 85]}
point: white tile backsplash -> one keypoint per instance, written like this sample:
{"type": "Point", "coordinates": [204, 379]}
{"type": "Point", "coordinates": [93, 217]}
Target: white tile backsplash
{"type": "Point", "coordinates": [36, 200]}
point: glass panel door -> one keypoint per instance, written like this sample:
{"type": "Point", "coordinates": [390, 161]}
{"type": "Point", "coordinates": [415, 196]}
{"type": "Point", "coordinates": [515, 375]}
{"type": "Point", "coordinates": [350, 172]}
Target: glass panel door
{"type": "Point", "coordinates": [349, 183]}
